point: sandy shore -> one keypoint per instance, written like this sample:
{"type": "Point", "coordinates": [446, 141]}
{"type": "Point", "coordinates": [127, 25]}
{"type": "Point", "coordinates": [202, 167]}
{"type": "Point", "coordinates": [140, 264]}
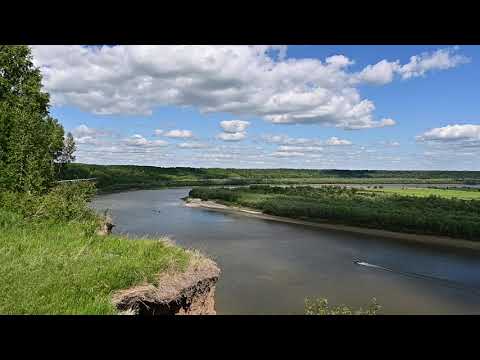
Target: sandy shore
{"type": "Point", "coordinates": [425, 239]}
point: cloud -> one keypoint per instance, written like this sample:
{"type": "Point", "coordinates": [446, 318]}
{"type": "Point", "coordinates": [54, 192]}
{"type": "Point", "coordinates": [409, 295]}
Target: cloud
{"type": "Point", "coordinates": [140, 141]}
{"type": "Point", "coordinates": [452, 133]}
{"type": "Point", "coordinates": [287, 140]}
{"type": "Point", "coordinates": [192, 145]}
{"type": "Point", "coordinates": [231, 136]}
{"type": "Point", "coordinates": [300, 148]}
{"type": "Point", "coordinates": [233, 126]}
{"type": "Point", "coordinates": [339, 61]}
{"type": "Point", "coordinates": [287, 154]}
{"type": "Point", "coordinates": [336, 141]}
{"type": "Point", "coordinates": [381, 73]}
{"type": "Point", "coordinates": [303, 142]}
{"type": "Point", "coordinates": [88, 140]}
{"type": "Point", "coordinates": [158, 132]}
{"type": "Point", "coordinates": [179, 134]}
{"type": "Point", "coordinates": [441, 59]}
{"type": "Point", "coordinates": [85, 135]}
{"type": "Point", "coordinates": [234, 130]}
{"type": "Point", "coordinates": [384, 71]}
{"type": "Point", "coordinates": [84, 130]}
{"type": "Point", "coordinates": [386, 122]}
{"type": "Point", "coordinates": [390, 143]}
{"type": "Point", "coordinates": [241, 80]}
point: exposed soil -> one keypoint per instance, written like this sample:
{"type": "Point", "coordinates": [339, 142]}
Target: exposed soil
{"type": "Point", "coordinates": [188, 293]}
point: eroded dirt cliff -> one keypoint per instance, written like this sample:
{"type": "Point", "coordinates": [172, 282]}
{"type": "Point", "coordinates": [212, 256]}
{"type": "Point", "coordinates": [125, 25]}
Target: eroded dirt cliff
{"type": "Point", "coordinates": [189, 293]}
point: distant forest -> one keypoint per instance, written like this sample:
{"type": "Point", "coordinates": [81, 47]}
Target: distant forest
{"type": "Point", "coordinates": [121, 177]}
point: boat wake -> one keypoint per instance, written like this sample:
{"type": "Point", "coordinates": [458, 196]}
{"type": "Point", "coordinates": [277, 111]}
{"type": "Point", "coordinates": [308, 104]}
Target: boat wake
{"type": "Point", "coordinates": [444, 282]}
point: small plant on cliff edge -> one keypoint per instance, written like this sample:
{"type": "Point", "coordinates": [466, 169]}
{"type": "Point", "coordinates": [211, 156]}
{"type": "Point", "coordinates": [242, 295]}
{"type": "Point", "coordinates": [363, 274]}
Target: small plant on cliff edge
{"type": "Point", "coordinates": [321, 307]}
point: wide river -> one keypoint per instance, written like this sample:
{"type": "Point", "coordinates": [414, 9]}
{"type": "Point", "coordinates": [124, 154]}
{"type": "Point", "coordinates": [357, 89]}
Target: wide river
{"type": "Point", "coordinates": [270, 267]}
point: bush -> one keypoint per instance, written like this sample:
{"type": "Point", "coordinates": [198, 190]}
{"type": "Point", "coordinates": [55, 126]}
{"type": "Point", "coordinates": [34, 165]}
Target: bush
{"type": "Point", "coordinates": [65, 202]}
{"type": "Point", "coordinates": [321, 307]}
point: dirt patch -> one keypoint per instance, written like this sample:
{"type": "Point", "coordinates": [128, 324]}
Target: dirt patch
{"type": "Point", "coordinates": [188, 293]}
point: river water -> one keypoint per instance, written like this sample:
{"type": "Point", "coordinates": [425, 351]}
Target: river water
{"type": "Point", "coordinates": [270, 267]}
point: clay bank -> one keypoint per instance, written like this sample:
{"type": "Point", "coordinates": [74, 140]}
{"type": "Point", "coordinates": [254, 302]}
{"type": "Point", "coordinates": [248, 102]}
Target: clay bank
{"type": "Point", "coordinates": [191, 292]}
{"type": "Point", "coordinates": [188, 293]}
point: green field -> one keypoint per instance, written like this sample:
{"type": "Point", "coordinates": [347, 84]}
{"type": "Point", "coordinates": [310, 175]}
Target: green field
{"type": "Point", "coordinates": [473, 194]}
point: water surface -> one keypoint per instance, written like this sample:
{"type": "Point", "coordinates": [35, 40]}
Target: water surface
{"type": "Point", "coordinates": [270, 267]}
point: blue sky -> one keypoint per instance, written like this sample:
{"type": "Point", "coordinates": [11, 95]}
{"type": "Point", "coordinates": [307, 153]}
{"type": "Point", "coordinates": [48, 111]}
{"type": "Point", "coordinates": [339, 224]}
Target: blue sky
{"type": "Point", "coordinates": [345, 107]}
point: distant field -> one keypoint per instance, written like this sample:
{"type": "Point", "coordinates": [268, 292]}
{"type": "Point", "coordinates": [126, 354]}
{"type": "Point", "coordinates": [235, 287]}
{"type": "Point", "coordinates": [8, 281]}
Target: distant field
{"type": "Point", "coordinates": [473, 194]}
{"type": "Point", "coordinates": [111, 178]}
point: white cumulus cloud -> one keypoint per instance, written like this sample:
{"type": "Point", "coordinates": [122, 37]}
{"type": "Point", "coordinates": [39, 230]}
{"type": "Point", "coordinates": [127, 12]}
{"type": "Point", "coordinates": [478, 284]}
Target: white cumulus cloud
{"type": "Point", "coordinates": [300, 148]}
{"type": "Point", "coordinates": [140, 141]}
{"type": "Point", "coordinates": [441, 59]}
{"type": "Point", "coordinates": [192, 145]}
{"type": "Point", "coordinates": [283, 154]}
{"type": "Point", "coordinates": [254, 80]}
{"type": "Point", "coordinates": [456, 132]}
{"type": "Point", "coordinates": [231, 136]}
{"type": "Point", "coordinates": [384, 71]}
{"type": "Point", "coordinates": [179, 134]}
{"type": "Point", "coordinates": [86, 135]}
{"type": "Point", "coordinates": [336, 141]}
{"type": "Point", "coordinates": [381, 73]}
{"type": "Point", "coordinates": [233, 126]}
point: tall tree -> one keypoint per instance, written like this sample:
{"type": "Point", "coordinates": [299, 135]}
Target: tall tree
{"type": "Point", "coordinates": [66, 155]}
{"type": "Point", "coordinates": [30, 139]}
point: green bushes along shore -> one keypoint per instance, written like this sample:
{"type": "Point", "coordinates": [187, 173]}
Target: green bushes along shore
{"type": "Point", "coordinates": [431, 215]}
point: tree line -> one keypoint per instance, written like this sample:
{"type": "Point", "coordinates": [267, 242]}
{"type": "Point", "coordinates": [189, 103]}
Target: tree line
{"type": "Point", "coordinates": [423, 215]}
{"type": "Point", "coordinates": [34, 150]}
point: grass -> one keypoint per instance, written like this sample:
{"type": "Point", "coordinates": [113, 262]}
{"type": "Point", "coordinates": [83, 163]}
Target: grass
{"type": "Point", "coordinates": [57, 268]}
{"type": "Point", "coordinates": [473, 194]}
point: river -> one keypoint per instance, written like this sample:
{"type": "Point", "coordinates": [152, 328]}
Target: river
{"type": "Point", "coordinates": [270, 267]}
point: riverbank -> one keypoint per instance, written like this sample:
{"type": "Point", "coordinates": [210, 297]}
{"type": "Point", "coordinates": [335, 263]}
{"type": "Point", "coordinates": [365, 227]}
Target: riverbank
{"type": "Point", "coordinates": [418, 238]}
{"type": "Point", "coordinates": [57, 256]}
{"type": "Point", "coordinates": [431, 215]}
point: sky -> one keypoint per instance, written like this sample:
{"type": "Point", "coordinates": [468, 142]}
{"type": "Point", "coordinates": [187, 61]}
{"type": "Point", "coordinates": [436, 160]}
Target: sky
{"type": "Point", "coordinates": [275, 106]}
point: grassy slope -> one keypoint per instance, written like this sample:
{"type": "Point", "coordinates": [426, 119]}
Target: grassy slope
{"type": "Point", "coordinates": [55, 268]}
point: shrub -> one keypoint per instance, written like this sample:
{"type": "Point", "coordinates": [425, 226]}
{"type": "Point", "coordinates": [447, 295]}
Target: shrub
{"type": "Point", "coordinates": [65, 202]}
{"type": "Point", "coordinates": [321, 307]}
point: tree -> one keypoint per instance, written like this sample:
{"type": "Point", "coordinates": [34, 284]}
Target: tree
{"type": "Point", "coordinates": [30, 139]}
{"type": "Point", "coordinates": [66, 155]}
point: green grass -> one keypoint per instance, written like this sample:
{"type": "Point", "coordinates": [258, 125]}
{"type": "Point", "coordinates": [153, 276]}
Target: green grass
{"type": "Point", "coordinates": [473, 194]}
{"type": "Point", "coordinates": [56, 268]}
